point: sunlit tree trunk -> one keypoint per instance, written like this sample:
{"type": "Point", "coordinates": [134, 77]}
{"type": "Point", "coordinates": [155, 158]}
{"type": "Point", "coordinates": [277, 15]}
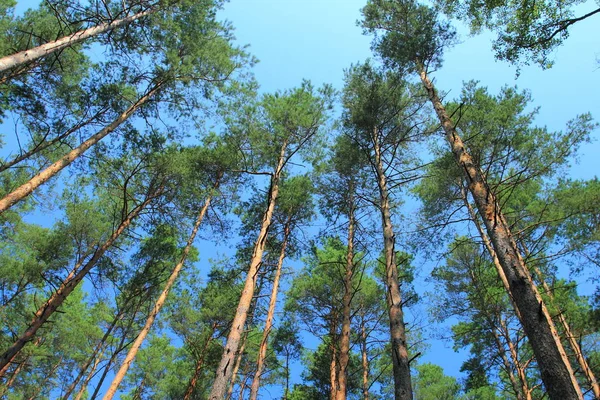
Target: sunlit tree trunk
{"type": "Point", "coordinates": [400, 361]}
{"type": "Point", "coordinates": [27, 188]}
{"type": "Point", "coordinates": [68, 285]}
{"type": "Point", "coordinates": [365, 361]}
{"type": "Point", "coordinates": [333, 367]}
{"type": "Point", "coordinates": [262, 353]}
{"type": "Point", "coordinates": [342, 379]}
{"type": "Point", "coordinates": [27, 56]}
{"type": "Point", "coordinates": [199, 365]}
{"type": "Point", "coordinates": [233, 340]}
{"type": "Point", "coordinates": [112, 390]}
{"type": "Point", "coordinates": [555, 369]}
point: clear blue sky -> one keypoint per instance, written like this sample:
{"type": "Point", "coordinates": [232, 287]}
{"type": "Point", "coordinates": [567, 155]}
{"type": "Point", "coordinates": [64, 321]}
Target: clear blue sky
{"type": "Point", "coordinates": [318, 39]}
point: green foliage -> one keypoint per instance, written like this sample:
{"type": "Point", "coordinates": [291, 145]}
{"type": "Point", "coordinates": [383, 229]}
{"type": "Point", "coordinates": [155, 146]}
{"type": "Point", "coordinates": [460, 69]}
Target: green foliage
{"type": "Point", "coordinates": [430, 383]}
{"type": "Point", "coordinates": [407, 33]}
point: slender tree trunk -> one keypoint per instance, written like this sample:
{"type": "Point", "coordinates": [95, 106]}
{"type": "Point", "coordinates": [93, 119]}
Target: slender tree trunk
{"type": "Point", "coordinates": [44, 144]}
{"type": "Point", "coordinates": [262, 353]}
{"type": "Point", "coordinates": [27, 188]}
{"type": "Point", "coordinates": [346, 300]}
{"type": "Point", "coordinates": [112, 390]}
{"type": "Point", "coordinates": [13, 377]}
{"type": "Point", "coordinates": [122, 345]}
{"type": "Point", "coordinates": [519, 367]}
{"type": "Point", "coordinates": [236, 367]}
{"type": "Point", "coordinates": [365, 362]}
{"type": "Point", "coordinates": [401, 367]}
{"type": "Point", "coordinates": [89, 376]}
{"type": "Point", "coordinates": [91, 359]}
{"type": "Point", "coordinates": [68, 285]}
{"type": "Point", "coordinates": [47, 377]}
{"type": "Point", "coordinates": [333, 364]}
{"type": "Point", "coordinates": [555, 369]}
{"type": "Point", "coordinates": [199, 365]}
{"type": "Point", "coordinates": [568, 333]}
{"type": "Point", "coordinates": [27, 56]}
{"type": "Point", "coordinates": [239, 321]}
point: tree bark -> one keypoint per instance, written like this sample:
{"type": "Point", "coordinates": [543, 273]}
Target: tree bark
{"type": "Point", "coordinates": [401, 367]}
{"type": "Point", "coordinates": [27, 56]}
{"type": "Point", "coordinates": [262, 353]}
{"type": "Point", "coordinates": [568, 333]}
{"type": "Point", "coordinates": [342, 379]}
{"type": "Point", "coordinates": [333, 363]}
{"type": "Point", "coordinates": [112, 390]}
{"type": "Point", "coordinates": [239, 321]}
{"type": "Point", "coordinates": [91, 359]}
{"type": "Point", "coordinates": [27, 188]}
{"type": "Point", "coordinates": [68, 285]}
{"type": "Point", "coordinates": [236, 367]}
{"type": "Point", "coordinates": [555, 369]}
{"type": "Point", "coordinates": [199, 365]}
{"type": "Point", "coordinates": [365, 361]}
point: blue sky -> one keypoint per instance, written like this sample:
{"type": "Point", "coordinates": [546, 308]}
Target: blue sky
{"type": "Point", "coordinates": [317, 40]}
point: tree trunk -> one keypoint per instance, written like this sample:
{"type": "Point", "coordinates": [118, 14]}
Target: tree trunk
{"type": "Point", "coordinates": [365, 361]}
{"type": "Point", "coordinates": [94, 355]}
{"type": "Point", "coordinates": [236, 367]}
{"type": "Point", "coordinates": [346, 300]}
{"type": "Point", "coordinates": [27, 56]}
{"type": "Point", "coordinates": [583, 364]}
{"type": "Point", "coordinates": [68, 285]}
{"type": "Point", "coordinates": [239, 321]}
{"type": "Point", "coordinates": [112, 390]}
{"type": "Point", "coordinates": [262, 353]}
{"type": "Point", "coordinates": [13, 377]}
{"type": "Point", "coordinates": [401, 367]}
{"type": "Point", "coordinates": [27, 188]}
{"type": "Point", "coordinates": [333, 364]}
{"type": "Point", "coordinates": [89, 377]}
{"type": "Point", "coordinates": [44, 144]}
{"type": "Point", "coordinates": [555, 369]}
{"type": "Point", "coordinates": [199, 365]}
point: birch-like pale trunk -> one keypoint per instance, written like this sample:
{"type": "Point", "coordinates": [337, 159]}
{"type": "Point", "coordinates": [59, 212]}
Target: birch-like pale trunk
{"type": "Point", "coordinates": [555, 368]}
{"type": "Point", "coordinates": [239, 321]}
{"type": "Point", "coordinates": [26, 56]}
{"type": "Point", "coordinates": [65, 289]}
{"type": "Point", "coordinates": [27, 188]}
{"type": "Point", "coordinates": [262, 353]}
{"type": "Point", "coordinates": [133, 350]}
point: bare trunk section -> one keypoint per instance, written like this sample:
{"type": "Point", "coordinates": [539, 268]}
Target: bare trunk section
{"type": "Point", "coordinates": [27, 188]}
{"type": "Point", "coordinates": [400, 361]}
{"type": "Point", "coordinates": [519, 367]}
{"type": "Point", "coordinates": [568, 333]}
{"type": "Point", "coordinates": [199, 365]}
{"type": "Point", "coordinates": [365, 362]}
{"type": "Point", "coordinates": [112, 390]}
{"type": "Point", "coordinates": [555, 369]}
{"type": "Point", "coordinates": [333, 364]}
{"type": "Point", "coordinates": [27, 56]}
{"type": "Point", "coordinates": [342, 380]}
{"type": "Point", "coordinates": [239, 321]}
{"type": "Point", "coordinates": [236, 367]}
{"type": "Point", "coordinates": [262, 353]}
{"type": "Point", "coordinates": [68, 285]}
{"type": "Point", "coordinates": [44, 144]}
{"type": "Point", "coordinates": [91, 359]}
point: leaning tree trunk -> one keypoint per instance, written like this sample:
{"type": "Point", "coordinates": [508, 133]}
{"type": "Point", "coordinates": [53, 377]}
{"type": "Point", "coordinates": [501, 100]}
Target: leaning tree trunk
{"type": "Point", "coordinates": [341, 389]}
{"type": "Point", "coordinates": [112, 390]}
{"type": "Point", "coordinates": [91, 359]}
{"type": "Point", "coordinates": [199, 365]}
{"type": "Point", "coordinates": [65, 289]}
{"type": "Point", "coordinates": [556, 371]}
{"type": "Point", "coordinates": [365, 361]}
{"type": "Point", "coordinates": [400, 361]}
{"type": "Point", "coordinates": [239, 321]}
{"type": "Point", "coordinates": [568, 333]}
{"type": "Point", "coordinates": [27, 188]}
{"type": "Point", "coordinates": [333, 363]}
{"type": "Point", "coordinates": [24, 57]}
{"type": "Point", "coordinates": [262, 353]}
